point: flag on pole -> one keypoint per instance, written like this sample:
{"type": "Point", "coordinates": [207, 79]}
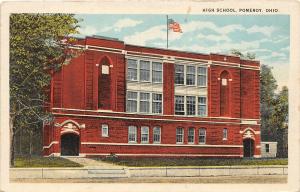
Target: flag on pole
{"type": "Point", "coordinates": [173, 25]}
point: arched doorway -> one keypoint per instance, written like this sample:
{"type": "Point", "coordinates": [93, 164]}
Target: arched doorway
{"type": "Point", "coordinates": [69, 144]}
{"type": "Point", "coordinates": [248, 147]}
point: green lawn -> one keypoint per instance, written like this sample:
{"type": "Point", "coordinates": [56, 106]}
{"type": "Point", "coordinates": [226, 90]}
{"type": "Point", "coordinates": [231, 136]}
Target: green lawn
{"type": "Point", "coordinates": [36, 161]}
{"type": "Point", "coordinates": [157, 162]}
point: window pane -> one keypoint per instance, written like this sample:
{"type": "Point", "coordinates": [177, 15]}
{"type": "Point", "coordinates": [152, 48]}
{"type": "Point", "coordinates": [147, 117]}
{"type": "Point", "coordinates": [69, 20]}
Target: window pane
{"type": "Point", "coordinates": [190, 75]}
{"type": "Point", "coordinates": [202, 76]}
{"type": "Point", "coordinates": [202, 106]}
{"type": "Point", "coordinates": [131, 69]}
{"type": "Point", "coordinates": [145, 102]}
{"type": "Point", "coordinates": [144, 134]}
{"type": "Point", "coordinates": [202, 136]}
{"type": "Point", "coordinates": [156, 103]}
{"type": "Point", "coordinates": [191, 105]}
{"type": "Point", "coordinates": [144, 70]}
{"type": "Point", "coordinates": [179, 135]}
{"type": "Point", "coordinates": [191, 135]}
{"type": "Point", "coordinates": [179, 74]}
{"type": "Point", "coordinates": [156, 72]}
{"type": "Point", "coordinates": [225, 134]}
{"type": "Point", "coordinates": [156, 134]}
{"type": "Point", "coordinates": [179, 105]}
{"type": "Point", "coordinates": [131, 103]}
{"type": "Point", "coordinates": [132, 134]}
{"type": "Point", "coordinates": [132, 63]}
{"type": "Point", "coordinates": [104, 130]}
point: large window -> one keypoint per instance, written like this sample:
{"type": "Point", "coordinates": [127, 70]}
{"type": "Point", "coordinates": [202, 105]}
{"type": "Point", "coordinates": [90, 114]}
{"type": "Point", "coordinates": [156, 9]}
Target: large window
{"type": "Point", "coordinates": [179, 135]}
{"type": "Point", "coordinates": [191, 105]}
{"type": "Point", "coordinates": [145, 102]}
{"type": "Point", "coordinates": [132, 69]}
{"type": "Point", "coordinates": [144, 134]}
{"type": "Point", "coordinates": [156, 72]}
{"type": "Point", "coordinates": [132, 134]}
{"type": "Point", "coordinates": [225, 134]}
{"type": "Point", "coordinates": [179, 105]}
{"type": "Point", "coordinates": [201, 71]}
{"type": "Point", "coordinates": [104, 130]}
{"type": "Point", "coordinates": [202, 106]}
{"type": "Point", "coordinates": [144, 70]}
{"type": "Point", "coordinates": [202, 136]}
{"type": "Point", "coordinates": [191, 135]}
{"type": "Point", "coordinates": [179, 74]}
{"type": "Point", "coordinates": [131, 104]}
{"type": "Point", "coordinates": [156, 134]}
{"type": "Point", "coordinates": [190, 75]}
{"type": "Point", "coordinates": [156, 103]}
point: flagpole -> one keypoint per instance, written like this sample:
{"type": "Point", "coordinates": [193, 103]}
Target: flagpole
{"type": "Point", "coordinates": [167, 33]}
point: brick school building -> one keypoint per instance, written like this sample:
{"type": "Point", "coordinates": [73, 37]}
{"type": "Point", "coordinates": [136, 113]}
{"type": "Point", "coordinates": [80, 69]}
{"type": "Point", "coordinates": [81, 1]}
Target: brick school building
{"type": "Point", "coordinates": [130, 100]}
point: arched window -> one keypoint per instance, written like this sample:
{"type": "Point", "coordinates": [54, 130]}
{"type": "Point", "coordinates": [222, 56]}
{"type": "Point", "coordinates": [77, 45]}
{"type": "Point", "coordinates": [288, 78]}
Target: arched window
{"type": "Point", "coordinates": [224, 93]}
{"type": "Point", "coordinates": [104, 82]}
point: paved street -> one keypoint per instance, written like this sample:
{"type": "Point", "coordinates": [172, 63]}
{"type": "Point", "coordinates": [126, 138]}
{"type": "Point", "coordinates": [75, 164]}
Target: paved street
{"type": "Point", "coordinates": [216, 179]}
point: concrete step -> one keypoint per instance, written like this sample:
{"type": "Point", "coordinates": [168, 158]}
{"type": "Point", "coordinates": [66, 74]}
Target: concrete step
{"type": "Point", "coordinates": [106, 171]}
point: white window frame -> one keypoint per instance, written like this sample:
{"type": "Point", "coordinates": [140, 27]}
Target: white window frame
{"type": "Point", "coordinates": [202, 75]}
{"type": "Point", "coordinates": [143, 128]}
{"type": "Point", "coordinates": [137, 100]}
{"type": "Point", "coordinates": [193, 135]}
{"type": "Point", "coordinates": [225, 134]}
{"type": "Point", "coordinates": [201, 143]}
{"type": "Point", "coordinates": [134, 132]}
{"type": "Point", "coordinates": [137, 69]}
{"type": "Point", "coordinates": [156, 101]}
{"type": "Point", "coordinates": [149, 102]}
{"type": "Point", "coordinates": [184, 105]}
{"type": "Point", "coordinates": [184, 74]}
{"type": "Point", "coordinates": [159, 128]}
{"type": "Point", "coordinates": [200, 104]}
{"type": "Point", "coordinates": [103, 127]}
{"type": "Point", "coordinates": [182, 135]}
{"type": "Point", "coordinates": [150, 70]}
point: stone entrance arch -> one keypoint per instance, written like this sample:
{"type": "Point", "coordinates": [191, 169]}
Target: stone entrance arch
{"type": "Point", "coordinates": [248, 145]}
{"type": "Point", "coordinates": [69, 144]}
{"type": "Point", "coordinates": [249, 142]}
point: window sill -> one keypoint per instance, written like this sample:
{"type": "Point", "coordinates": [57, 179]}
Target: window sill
{"type": "Point", "coordinates": [105, 136]}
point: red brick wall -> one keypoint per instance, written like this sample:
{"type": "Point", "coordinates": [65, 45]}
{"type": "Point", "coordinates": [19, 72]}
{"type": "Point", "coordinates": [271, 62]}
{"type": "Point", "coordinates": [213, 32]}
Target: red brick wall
{"type": "Point", "coordinates": [214, 88]}
{"type": "Point", "coordinates": [250, 100]}
{"type": "Point", "coordinates": [168, 88]}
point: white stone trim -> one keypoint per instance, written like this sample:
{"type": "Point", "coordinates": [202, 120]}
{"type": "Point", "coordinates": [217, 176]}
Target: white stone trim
{"type": "Point", "coordinates": [88, 110]}
{"type": "Point", "coordinates": [150, 119]}
{"type": "Point", "coordinates": [156, 144]}
{"type": "Point", "coordinates": [161, 56]}
{"type": "Point", "coordinates": [52, 143]}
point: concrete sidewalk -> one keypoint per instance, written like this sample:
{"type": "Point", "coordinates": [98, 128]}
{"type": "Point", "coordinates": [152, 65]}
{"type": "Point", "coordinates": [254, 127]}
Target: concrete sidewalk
{"type": "Point", "coordinates": [133, 172]}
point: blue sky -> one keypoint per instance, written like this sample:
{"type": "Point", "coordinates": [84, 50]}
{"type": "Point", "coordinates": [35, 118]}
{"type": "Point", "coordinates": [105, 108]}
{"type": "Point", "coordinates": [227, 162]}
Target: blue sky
{"type": "Point", "coordinates": [268, 36]}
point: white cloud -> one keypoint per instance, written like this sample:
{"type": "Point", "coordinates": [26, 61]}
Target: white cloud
{"type": "Point", "coordinates": [266, 30]}
{"type": "Point", "coordinates": [121, 24]}
{"type": "Point", "coordinates": [154, 33]}
{"type": "Point", "coordinates": [88, 30]}
{"type": "Point", "coordinates": [217, 38]}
